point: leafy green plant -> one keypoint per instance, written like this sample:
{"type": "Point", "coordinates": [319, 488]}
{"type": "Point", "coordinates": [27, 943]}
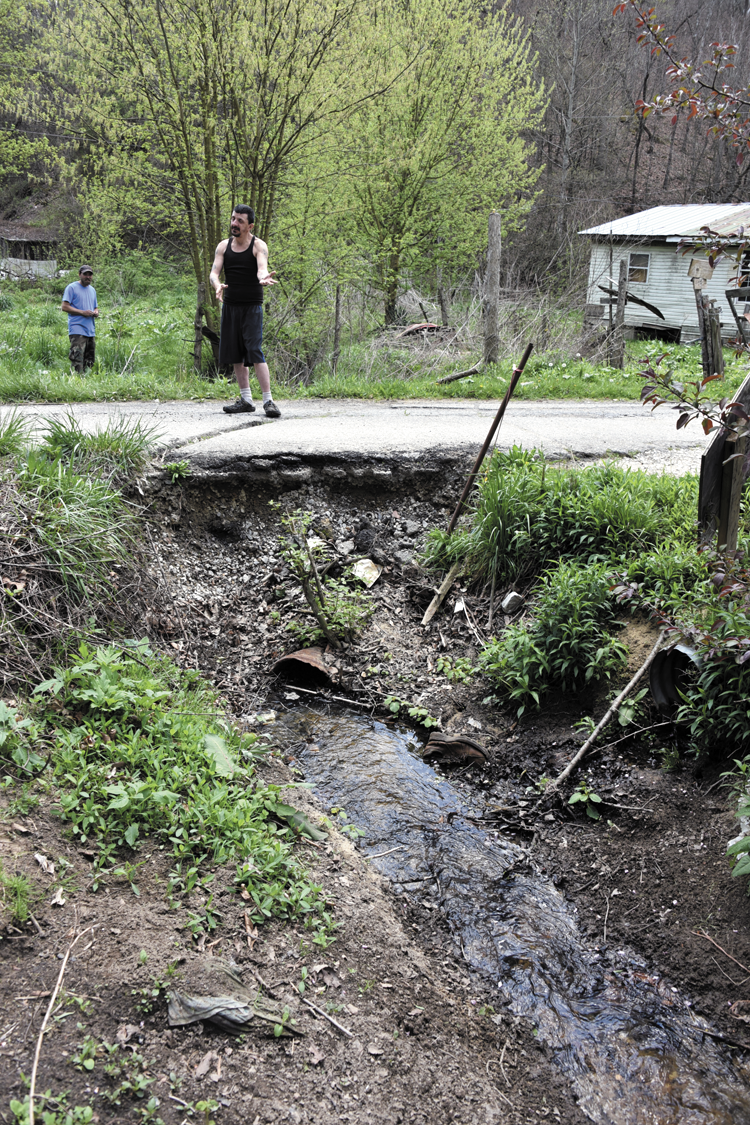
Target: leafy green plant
{"type": "Point", "coordinates": [49, 1115]}
{"type": "Point", "coordinates": [207, 1106]}
{"type": "Point", "coordinates": [15, 896]}
{"type": "Point", "coordinates": [419, 714]}
{"type": "Point", "coordinates": [127, 1070]}
{"type": "Point", "coordinates": [178, 471]}
{"type": "Point", "coordinates": [141, 749]}
{"type": "Point", "coordinates": [341, 612]}
{"type": "Point", "coordinates": [343, 824]}
{"type": "Point", "coordinates": [17, 737]}
{"type": "Point", "coordinates": [85, 1057]}
{"type": "Point", "coordinates": [630, 708]}
{"type": "Point", "coordinates": [565, 646]}
{"type": "Point", "coordinates": [456, 669]}
{"type": "Point", "coordinates": [588, 798]}
{"type": "Point", "coordinates": [286, 1019]}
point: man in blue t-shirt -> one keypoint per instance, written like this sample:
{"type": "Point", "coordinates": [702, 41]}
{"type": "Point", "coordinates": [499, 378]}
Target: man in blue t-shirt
{"type": "Point", "coordinates": [79, 302]}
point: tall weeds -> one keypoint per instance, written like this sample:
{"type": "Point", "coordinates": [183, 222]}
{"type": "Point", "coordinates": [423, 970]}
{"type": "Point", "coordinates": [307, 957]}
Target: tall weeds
{"type": "Point", "coordinates": [68, 545]}
{"type": "Point", "coordinates": [526, 514]}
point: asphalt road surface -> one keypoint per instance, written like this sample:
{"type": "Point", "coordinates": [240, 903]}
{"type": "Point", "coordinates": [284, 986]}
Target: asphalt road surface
{"type": "Point", "coordinates": [210, 439]}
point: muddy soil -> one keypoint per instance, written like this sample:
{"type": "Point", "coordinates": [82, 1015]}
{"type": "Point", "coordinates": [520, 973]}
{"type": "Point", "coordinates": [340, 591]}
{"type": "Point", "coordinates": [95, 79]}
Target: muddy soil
{"type": "Point", "coordinates": [426, 1043]}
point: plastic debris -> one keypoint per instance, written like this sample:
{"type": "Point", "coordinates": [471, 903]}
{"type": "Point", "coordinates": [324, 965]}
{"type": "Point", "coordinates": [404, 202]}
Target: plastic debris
{"type": "Point", "coordinates": [512, 602]}
{"type": "Point", "coordinates": [367, 571]}
{"type": "Point", "coordinates": [454, 750]}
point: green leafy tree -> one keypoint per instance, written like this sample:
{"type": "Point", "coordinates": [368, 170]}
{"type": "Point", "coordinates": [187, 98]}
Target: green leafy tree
{"type": "Point", "coordinates": [186, 106]}
{"type": "Point", "coordinates": [446, 139]}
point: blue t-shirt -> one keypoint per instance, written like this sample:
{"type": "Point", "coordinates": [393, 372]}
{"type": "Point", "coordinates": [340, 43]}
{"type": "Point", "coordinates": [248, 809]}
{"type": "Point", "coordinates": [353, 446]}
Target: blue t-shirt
{"type": "Point", "coordinates": [80, 297]}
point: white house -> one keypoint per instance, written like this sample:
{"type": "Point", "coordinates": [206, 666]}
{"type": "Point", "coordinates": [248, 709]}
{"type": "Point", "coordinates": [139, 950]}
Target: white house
{"type": "Point", "coordinates": [26, 252]}
{"type": "Point", "coordinates": [658, 271]}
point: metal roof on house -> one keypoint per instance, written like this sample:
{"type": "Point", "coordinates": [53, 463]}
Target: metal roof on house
{"type": "Point", "coordinates": [675, 221]}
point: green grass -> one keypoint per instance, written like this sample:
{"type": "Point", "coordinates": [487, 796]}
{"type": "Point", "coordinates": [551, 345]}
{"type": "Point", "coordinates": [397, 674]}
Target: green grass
{"type": "Point", "coordinates": [120, 449]}
{"type": "Point", "coordinates": [15, 896]}
{"type": "Point", "coordinates": [81, 527]}
{"type": "Point", "coordinates": [526, 514]}
{"type": "Point", "coordinates": [13, 434]}
{"type": "Point", "coordinates": [145, 339]}
{"type": "Point", "coordinates": [591, 537]}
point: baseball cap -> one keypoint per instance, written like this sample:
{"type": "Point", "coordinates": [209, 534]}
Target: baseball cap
{"type": "Point", "coordinates": [85, 269]}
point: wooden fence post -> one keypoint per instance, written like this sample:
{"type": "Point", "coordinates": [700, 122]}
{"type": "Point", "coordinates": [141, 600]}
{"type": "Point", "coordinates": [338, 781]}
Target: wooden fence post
{"type": "Point", "coordinates": [618, 348]}
{"type": "Point", "coordinates": [492, 291]}
{"type": "Point", "coordinates": [732, 481]}
{"type": "Point", "coordinates": [721, 484]}
{"type": "Point", "coordinates": [336, 331]}
{"type": "Point", "coordinates": [714, 337]}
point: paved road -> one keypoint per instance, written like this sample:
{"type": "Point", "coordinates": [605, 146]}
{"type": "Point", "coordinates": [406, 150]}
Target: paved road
{"type": "Point", "coordinates": [202, 433]}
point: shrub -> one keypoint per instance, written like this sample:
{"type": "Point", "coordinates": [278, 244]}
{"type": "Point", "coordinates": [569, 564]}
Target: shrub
{"type": "Point", "coordinates": [565, 646]}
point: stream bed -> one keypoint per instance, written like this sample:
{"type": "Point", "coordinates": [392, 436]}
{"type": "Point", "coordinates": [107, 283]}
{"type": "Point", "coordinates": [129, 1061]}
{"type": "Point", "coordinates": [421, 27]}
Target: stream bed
{"type": "Point", "coordinates": [632, 1048]}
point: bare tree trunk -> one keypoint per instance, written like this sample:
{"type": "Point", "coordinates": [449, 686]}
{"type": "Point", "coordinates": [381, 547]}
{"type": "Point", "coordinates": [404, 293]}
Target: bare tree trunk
{"type": "Point", "coordinates": [618, 347]}
{"type": "Point", "coordinates": [568, 127]}
{"type": "Point", "coordinates": [492, 290]}
{"type": "Point", "coordinates": [638, 139]}
{"type": "Point", "coordinates": [198, 323]}
{"type": "Point", "coordinates": [336, 331]}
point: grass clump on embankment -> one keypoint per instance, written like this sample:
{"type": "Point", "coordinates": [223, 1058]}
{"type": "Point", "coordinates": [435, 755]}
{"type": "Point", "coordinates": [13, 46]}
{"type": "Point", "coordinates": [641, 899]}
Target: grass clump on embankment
{"type": "Point", "coordinates": [526, 514]}
{"type": "Point", "coordinates": [587, 545]}
{"type": "Point", "coordinates": [131, 745]}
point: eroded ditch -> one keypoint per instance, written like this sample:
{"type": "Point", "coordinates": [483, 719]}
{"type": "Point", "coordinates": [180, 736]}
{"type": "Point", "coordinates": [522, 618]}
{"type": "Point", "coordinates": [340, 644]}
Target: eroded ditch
{"type": "Point", "coordinates": [630, 1045]}
{"type": "Point", "coordinates": [629, 1041]}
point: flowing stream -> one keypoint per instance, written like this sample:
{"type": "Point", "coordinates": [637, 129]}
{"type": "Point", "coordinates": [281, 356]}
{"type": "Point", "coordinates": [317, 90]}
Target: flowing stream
{"type": "Point", "coordinates": [632, 1048]}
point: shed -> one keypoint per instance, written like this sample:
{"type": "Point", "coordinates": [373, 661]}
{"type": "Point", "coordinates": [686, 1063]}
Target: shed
{"type": "Point", "coordinates": [27, 252]}
{"type": "Point", "coordinates": [658, 272]}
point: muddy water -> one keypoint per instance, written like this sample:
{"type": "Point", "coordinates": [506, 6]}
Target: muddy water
{"type": "Point", "coordinates": [632, 1048]}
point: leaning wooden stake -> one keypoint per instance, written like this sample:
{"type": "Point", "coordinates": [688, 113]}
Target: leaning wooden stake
{"type": "Point", "coordinates": [45, 1021]}
{"type": "Point", "coordinates": [439, 598]}
{"type": "Point", "coordinates": [517, 373]}
{"type": "Point", "coordinates": [553, 785]}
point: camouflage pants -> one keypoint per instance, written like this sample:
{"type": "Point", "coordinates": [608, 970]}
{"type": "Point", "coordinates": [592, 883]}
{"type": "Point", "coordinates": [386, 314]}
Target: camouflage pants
{"type": "Point", "coordinates": [81, 352]}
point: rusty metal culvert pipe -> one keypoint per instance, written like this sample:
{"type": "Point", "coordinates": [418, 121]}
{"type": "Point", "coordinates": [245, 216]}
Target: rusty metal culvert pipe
{"type": "Point", "coordinates": [304, 666]}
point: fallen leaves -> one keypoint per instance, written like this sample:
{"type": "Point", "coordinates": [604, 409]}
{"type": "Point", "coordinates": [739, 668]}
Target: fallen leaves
{"type": "Point", "coordinates": [316, 1055]}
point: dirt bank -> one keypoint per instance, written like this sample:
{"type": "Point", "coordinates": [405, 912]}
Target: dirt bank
{"type": "Point", "coordinates": [429, 1040]}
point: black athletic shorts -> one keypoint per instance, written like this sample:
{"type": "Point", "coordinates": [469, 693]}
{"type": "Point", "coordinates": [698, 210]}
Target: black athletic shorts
{"type": "Point", "coordinates": [241, 339]}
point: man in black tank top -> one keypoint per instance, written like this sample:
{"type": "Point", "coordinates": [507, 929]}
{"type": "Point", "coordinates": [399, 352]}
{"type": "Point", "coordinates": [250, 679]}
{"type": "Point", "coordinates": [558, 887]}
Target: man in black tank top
{"type": "Point", "coordinates": [244, 259]}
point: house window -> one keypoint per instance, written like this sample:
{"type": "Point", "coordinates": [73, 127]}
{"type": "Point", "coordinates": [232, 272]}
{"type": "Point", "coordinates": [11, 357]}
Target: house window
{"type": "Point", "coordinates": [638, 269]}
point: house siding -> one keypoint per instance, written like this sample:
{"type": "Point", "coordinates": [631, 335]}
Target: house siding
{"type": "Point", "coordinates": [668, 287]}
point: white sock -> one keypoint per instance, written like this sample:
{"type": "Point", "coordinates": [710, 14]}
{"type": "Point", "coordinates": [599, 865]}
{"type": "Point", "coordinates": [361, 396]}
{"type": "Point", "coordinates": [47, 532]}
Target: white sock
{"type": "Point", "coordinates": [246, 395]}
{"type": "Point", "coordinates": [267, 397]}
